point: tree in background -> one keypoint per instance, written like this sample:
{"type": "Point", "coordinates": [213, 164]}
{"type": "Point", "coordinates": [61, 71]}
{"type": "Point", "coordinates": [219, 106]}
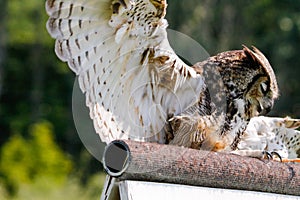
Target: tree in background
{"type": "Point", "coordinates": [36, 88]}
{"type": "Point", "coordinates": [25, 160]}
{"type": "Point", "coordinates": [3, 18]}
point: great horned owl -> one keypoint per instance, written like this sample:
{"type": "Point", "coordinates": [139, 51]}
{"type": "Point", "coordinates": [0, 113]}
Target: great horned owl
{"type": "Point", "coordinates": [271, 134]}
{"type": "Point", "coordinates": [135, 83]}
{"type": "Point", "coordinates": [249, 88]}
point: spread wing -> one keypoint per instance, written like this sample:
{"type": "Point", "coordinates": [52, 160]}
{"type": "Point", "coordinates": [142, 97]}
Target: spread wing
{"type": "Point", "coordinates": [129, 73]}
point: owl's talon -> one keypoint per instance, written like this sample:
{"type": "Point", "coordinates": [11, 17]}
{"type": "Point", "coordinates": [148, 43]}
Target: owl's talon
{"type": "Point", "coordinates": [274, 153]}
{"type": "Point", "coordinates": [267, 155]}
{"type": "Point", "coordinates": [271, 155]}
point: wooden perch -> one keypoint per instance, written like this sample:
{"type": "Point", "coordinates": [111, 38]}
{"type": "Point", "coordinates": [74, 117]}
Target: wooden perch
{"type": "Point", "coordinates": [129, 160]}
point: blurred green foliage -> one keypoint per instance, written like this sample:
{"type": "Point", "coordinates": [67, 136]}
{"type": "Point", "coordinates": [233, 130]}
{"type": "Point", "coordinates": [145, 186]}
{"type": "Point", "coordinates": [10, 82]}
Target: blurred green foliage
{"type": "Point", "coordinates": [44, 188]}
{"type": "Point", "coordinates": [29, 22]}
{"type": "Point", "coordinates": [41, 155]}
{"type": "Point", "coordinates": [23, 160]}
{"type": "Point", "coordinates": [37, 168]}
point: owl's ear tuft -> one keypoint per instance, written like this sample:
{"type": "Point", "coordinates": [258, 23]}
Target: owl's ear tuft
{"type": "Point", "coordinates": [250, 54]}
{"type": "Point", "coordinates": [257, 56]}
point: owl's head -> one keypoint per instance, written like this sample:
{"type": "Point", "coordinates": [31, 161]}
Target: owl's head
{"type": "Point", "coordinates": [262, 90]}
{"type": "Point", "coordinates": [249, 82]}
{"type": "Point", "coordinates": [246, 79]}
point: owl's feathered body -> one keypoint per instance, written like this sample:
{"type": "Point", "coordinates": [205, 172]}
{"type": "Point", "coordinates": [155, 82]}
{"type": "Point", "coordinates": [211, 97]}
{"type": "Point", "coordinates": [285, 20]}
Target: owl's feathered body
{"type": "Point", "coordinates": [271, 134]}
{"type": "Point", "coordinates": [246, 88]}
{"type": "Point", "coordinates": [136, 87]}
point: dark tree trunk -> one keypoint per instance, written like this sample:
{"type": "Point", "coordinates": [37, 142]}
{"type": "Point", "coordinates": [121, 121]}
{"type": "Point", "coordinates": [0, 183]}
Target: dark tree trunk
{"type": "Point", "coordinates": [38, 70]}
{"type": "Point", "coordinates": [3, 39]}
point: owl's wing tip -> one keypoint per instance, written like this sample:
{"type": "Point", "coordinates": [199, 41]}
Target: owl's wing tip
{"type": "Point", "coordinates": [49, 5]}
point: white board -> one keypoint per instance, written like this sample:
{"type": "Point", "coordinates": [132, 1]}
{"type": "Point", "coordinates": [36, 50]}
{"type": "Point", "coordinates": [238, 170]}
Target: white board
{"type": "Point", "coordinates": [138, 190]}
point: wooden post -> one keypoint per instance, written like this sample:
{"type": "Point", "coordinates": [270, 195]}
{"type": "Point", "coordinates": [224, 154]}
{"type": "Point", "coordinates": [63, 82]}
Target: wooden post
{"type": "Point", "coordinates": [129, 160]}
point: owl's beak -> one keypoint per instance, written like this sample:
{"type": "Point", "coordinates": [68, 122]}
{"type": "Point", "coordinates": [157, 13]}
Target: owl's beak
{"type": "Point", "coordinates": [265, 111]}
{"type": "Point", "coordinates": [265, 107]}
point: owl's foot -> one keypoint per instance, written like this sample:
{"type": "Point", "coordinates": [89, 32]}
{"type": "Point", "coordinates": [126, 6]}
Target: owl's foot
{"type": "Point", "coordinates": [276, 156]}
{"type": "Point", "coordinates": [260, 154]}
{"type": "Point", "coordinates": [272, 156]}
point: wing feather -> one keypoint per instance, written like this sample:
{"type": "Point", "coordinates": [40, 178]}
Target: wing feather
{"type": "Point", "coordinates": [120, 51]}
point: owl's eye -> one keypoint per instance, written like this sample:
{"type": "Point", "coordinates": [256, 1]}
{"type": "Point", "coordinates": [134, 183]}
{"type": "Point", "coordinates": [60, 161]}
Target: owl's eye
{"type": "Point", "coordinates": [264, 88]}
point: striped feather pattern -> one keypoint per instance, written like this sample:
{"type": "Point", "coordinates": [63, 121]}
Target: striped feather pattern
{"type": "Point", "coordinates": [116, 48]}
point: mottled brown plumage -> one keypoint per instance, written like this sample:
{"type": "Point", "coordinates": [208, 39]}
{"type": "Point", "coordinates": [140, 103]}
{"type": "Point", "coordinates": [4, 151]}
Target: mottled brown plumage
{"type": "Point", "coordinates": [240, 85]}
